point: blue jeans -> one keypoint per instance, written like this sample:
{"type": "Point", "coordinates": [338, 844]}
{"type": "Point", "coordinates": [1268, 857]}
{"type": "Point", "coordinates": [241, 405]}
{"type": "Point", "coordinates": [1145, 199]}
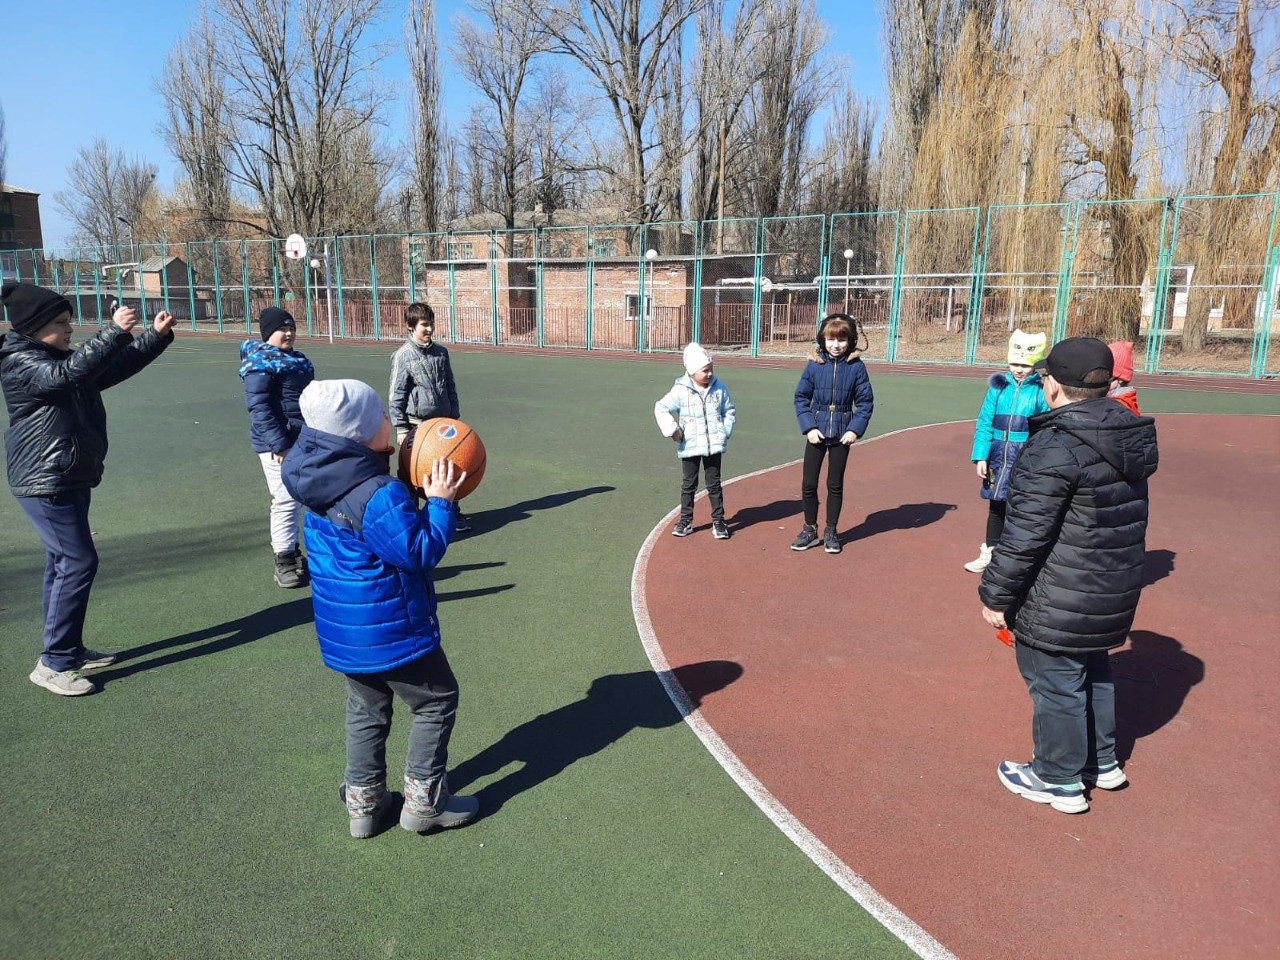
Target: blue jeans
{"type": "Point", "coordinates": [428, 687]}
{"type": "Point", "coordinates": [1073, 725]}
{"type": "Point", "coordinates": [71, 563]}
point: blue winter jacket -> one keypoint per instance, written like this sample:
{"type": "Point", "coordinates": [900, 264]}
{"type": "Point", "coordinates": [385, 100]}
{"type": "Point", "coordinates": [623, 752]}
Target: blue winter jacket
{"type": "Point", "coordinates": [834, 396]}
{"type": "Point", "coordinates": [1001, 432]}
{"type": "Point", "coordinates": [705, 420]}
{"type": "Point", "coordinates": [273, 381]}
{"type": "Point", "coordinates": [370, 552]}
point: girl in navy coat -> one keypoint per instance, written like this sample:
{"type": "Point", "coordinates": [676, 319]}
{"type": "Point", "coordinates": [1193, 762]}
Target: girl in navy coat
{"type": "Point", "coordinates": [274, 377]}
{"type": "Point", "coordinates": [833, 404]}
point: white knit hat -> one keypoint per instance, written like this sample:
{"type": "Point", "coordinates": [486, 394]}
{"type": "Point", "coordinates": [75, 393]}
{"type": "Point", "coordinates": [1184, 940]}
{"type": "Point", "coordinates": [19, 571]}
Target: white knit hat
{"type": "Point", "coordinates": [345, 408]}
{"type": "Point", "coordinates": [695, 358]}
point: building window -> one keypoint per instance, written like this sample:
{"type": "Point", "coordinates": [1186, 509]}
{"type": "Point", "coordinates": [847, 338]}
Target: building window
{"type": "Point", "coordinates": [461, 250]}
{"type": "Point", "coordinates": [519, 248]}
{"type": "Point", "coordinates": [606, 247]}
{"type": "Point", "coordinates": [633, 306]}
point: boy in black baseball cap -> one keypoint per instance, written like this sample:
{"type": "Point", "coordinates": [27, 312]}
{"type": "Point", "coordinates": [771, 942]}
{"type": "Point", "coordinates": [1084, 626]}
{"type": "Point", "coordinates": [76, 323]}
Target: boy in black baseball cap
{"type": "Point", "coordinates": [1067, 573]}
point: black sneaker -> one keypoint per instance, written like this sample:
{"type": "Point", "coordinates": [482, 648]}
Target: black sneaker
{"type": "Point", "coordinates": [719, 530]}
{"type": "Point", "coordinates": [830, 542]}
{"type": "Point", "coordinates": [682, 528]}
{"type": "Point", "coordinates": [463, 525]}
{"type": "Point", "coordinates": [808, 538]}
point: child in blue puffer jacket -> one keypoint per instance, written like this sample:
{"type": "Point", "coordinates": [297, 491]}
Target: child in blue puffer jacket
{"type": "Point", "coordinates": [274, 376]}
{"type": "Point", "coordinates": [834, 403]}
{"type": "Point", "coordinates": [372, 551]}
{"type": "Point", "coordinates": [698, 414]}
{"type": "Point", "coordinates": [1012, 399]}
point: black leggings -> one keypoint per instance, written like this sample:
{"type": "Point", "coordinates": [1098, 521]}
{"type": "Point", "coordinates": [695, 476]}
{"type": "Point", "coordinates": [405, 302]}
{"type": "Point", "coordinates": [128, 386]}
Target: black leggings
{"type": "Point", "coordinates": [995, 521]}
{"type": "Point", "coordinates": [813, 455]}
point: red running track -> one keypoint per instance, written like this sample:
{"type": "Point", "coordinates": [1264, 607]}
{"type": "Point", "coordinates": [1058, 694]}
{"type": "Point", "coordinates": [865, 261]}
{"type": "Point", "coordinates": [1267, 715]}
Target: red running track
{"type": "Point", "coordinates": [874, 704]}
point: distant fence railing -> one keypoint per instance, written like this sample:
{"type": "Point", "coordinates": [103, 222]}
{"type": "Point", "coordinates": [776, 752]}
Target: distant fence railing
{"type": "Point", "coordinates": [1194, 281]}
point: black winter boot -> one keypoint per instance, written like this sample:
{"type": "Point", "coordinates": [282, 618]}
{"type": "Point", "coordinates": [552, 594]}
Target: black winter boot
{"type": "Point", "coordinates": [291, 571]}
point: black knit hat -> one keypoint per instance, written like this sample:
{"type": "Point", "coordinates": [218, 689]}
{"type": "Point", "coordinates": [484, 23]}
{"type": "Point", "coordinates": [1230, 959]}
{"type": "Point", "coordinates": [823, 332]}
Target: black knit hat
{"type": "Point", "coordinates": [272, 319]}
{"type": "Point", "coordinates": [29, 307]}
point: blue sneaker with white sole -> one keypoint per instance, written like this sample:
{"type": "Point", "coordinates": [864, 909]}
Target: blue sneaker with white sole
{"type": "Point", "coordinates": [1022, 780]}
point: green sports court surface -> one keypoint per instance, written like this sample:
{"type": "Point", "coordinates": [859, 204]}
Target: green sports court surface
{"type": "Point", "coordinates": [190, 809]}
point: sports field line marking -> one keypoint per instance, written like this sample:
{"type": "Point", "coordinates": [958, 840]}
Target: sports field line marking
{"type": "Point", "coordinates": [852, 883]}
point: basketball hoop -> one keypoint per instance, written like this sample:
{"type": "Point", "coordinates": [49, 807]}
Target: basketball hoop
{"type": "Point", "coordinates": [295, 248]}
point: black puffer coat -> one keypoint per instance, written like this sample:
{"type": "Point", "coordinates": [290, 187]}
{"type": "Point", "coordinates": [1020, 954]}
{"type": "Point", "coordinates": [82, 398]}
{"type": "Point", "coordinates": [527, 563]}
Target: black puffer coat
{"type": "Point", "coordinates": [57, 436]}
{"type": "Point", "coordinates": [1068, 570]}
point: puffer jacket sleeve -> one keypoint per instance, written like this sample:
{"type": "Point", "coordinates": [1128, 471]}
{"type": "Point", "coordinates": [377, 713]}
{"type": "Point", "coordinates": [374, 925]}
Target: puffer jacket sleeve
{"type": "Point", "coordinates": [268, 422]}
{"type": "Point", "coordinates": [982, 432]}
{"type": "Point", "coordinates": [138, 352]}
{"type": "Point", "coordinates": [398, 394]}
{"type": "Point", "coordinates": [728, 413]}
{"type": "Point", "coordinates": [864, 400]}
{"type": "Point", "coordinates": [667, 411]}
{"type": "Point", "coordinates": [45, 380]}
{"type": "Point", "coordinates": [1044, 479]}
{"type": "Point", "coordinates": [405, 537]}
{"type": "Point", "coordinates": [804, 399]}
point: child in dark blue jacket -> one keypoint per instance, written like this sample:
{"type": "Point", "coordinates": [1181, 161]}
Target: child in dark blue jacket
{"type": "Point", "coordinates": [274, 376]}
{"type": "Point", "coordinates": [833, 404]}
{"type": "Point", "coordinates": [371, 554]}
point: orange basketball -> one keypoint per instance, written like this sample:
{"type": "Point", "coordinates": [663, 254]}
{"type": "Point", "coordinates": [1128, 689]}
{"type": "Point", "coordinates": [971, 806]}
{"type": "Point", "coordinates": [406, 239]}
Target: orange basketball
{"type": "Point", "coordinates": [442, 437]}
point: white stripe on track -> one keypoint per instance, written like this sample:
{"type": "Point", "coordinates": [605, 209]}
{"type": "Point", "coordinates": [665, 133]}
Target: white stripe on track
{"type": "Point", "coordinates": [889, 916]}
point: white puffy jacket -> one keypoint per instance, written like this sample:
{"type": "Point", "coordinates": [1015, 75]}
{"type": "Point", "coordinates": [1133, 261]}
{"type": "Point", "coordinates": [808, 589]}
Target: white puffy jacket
{"type": "Point", "coordinates": [705, 419]}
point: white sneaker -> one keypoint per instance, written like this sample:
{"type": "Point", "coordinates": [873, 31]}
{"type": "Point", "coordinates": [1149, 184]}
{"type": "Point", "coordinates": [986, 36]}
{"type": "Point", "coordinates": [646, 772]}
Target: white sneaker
{"type": "Point", "coordinates": [983, 559]}
{"type": "Point", "coordinates": [1112, 778]}
{"type": "Point", "coordinates": [65, 683]}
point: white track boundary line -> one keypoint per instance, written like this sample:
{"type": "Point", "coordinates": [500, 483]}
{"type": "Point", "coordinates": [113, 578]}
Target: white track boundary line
{"type": "Point", "coordinates": [889, 916]}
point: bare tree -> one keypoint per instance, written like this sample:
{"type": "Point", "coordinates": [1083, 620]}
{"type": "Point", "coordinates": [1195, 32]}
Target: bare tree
{"type": "Point", "coordinates": [722, 78]}
{"type": "Point", "coordinates": [1241, 140]}
{"type": "Point", "coordinates": [919, 39]}
{"type": "Point", "coordinates": [426, 120]}
{"type": "Point", "coordinates": [496, 54]}
{"type": "Point", "coordinates": [110, 198]}
{"type": "Point", "coordinates": [624, 45]}
{"type": "Point", "coordinates": [193, 86]}
{"type": "Point", "coordinates": [787, 94]}
{"type": "Point", "coordinates": [301, 109]}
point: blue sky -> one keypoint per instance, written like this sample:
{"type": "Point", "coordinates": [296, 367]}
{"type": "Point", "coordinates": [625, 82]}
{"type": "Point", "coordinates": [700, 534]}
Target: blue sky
{"type": "Point", "coordinates": [73, 70]}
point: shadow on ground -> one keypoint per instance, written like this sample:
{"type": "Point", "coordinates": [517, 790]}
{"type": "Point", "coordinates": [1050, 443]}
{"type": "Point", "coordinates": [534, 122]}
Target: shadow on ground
{"type": "Point", "coordinates": [1153, 676]}
{"type": "Point", "coordinates": [209, 640]}
{"type": "Point", "coordinates": [493, 519]}
{"type": "Point", "coordinates": [613, 706]}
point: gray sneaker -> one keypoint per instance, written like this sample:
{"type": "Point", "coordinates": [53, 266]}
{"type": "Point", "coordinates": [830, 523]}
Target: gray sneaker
{"type": "Point", "coordinates": [432, 805]}
{"type": "Point", "coordinates": [808, 538]}
{"type": "Point", "coordinates": [719, 530]}
{"type": "Point", "coordinates": [831, 542]}
{"type": "Point", "coordinates": [366, 806]}
{"type": "Point", "coordinates": [65, 683]}
{"type": "Point", "coordinates": [682, 528]}
{"type": "Point", "coordinates": [96, 660]}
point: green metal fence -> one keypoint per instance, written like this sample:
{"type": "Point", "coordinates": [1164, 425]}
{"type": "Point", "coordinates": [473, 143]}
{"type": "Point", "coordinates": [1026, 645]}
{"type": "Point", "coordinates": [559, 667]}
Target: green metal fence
{"type": "Point", "coordinates": [1193, 280]}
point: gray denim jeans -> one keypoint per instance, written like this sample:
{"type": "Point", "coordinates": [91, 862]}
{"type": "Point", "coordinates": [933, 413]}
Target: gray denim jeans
{"type": "Point", "coordinates": [1073, 724]}
{"type": "Point", "coordinates": [427, 686]}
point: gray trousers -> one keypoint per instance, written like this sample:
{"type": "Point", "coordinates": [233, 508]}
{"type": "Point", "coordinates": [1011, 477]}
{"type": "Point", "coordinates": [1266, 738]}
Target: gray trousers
{"type": "Point", "coordinates": [427, 686]}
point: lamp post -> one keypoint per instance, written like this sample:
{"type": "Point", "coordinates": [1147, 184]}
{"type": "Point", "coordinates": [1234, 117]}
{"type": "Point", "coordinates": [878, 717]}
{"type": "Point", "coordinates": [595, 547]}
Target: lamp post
{"type": "Point", "coordinates": [848, 259]}
{"type": "Point", "coordinates": [649, 256]}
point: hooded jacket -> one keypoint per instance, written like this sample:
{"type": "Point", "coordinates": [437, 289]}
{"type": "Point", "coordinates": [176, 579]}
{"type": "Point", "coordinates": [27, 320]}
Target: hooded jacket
{"type": "Point", "coordinates": [834, 396]}
{"type": "Point", "coordinates": [1068, 570]}
{"type": "Point", "coordinates": [273, 381]}
{"type": "Point", "coordinates": [705, 419]}
{"type": "Point", "coordinates": [57, 436]}
{"type": "Point", "coordinates": [370, 552]}
{"type": "Point", "coordinates": [1001, 430]}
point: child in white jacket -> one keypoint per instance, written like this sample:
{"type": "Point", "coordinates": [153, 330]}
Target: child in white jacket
{"type": "Point", "coordinates": [698, 414]}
